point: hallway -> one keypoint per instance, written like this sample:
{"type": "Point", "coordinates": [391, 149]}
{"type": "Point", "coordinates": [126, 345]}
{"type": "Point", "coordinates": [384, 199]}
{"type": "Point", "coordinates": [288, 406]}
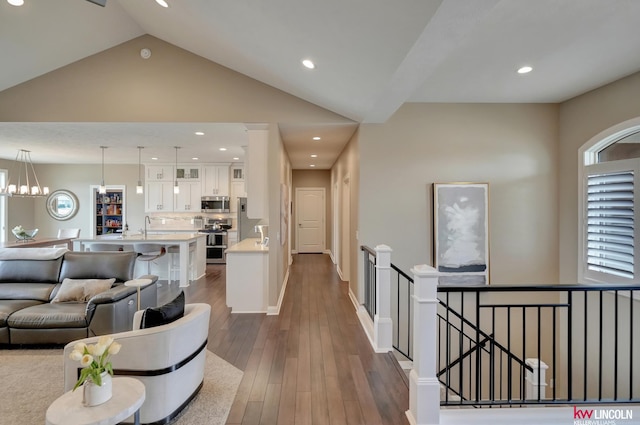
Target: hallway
{"type": "Point", "coordinates": [312, 364]}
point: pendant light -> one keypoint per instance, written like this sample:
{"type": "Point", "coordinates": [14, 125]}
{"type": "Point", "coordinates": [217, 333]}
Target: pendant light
{"type": "Point", "coordinates": [102, 189]}
{"type": "Point", "coordinates": [176, 188]}
{"type": "Point", "coordinates": [22, 180]}
{"type": "Point", "coordinates": [139, 189]}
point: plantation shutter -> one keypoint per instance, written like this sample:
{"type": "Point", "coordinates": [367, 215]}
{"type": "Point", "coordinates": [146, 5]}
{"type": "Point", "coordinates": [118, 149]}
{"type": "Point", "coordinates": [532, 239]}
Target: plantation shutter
{"type": "Point", "coordinates": [610, 223]}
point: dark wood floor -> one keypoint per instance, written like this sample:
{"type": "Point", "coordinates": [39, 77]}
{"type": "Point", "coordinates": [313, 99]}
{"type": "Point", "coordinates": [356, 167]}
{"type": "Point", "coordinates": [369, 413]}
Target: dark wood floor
{"type": "Point", "coordinates": [312, 364]}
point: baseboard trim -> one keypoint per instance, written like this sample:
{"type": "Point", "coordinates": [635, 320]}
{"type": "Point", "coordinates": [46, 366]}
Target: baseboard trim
{"type": "Point", "coordinates": [340, 274]}
{"type": "Point", "coordinates": [294, 251]}
{"type": "Point", "coordinates": [365, 321]}
{"type": "Point", "coordinates": [274, 310]}
{"type": "Point", "coordinates": [354, 300]}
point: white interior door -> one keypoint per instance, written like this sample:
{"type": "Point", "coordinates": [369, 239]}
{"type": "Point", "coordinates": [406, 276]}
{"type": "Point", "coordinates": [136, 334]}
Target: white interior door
{"type": "Point", "coordinates": [310, 218]}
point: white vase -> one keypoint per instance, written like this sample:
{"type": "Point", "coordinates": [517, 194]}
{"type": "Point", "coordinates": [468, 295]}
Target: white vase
{"type": "Point", "coordinates": [93, 394]}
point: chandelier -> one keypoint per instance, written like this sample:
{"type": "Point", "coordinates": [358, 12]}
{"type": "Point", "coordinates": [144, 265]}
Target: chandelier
{"type": "Point", "coordinates": [22, 180]}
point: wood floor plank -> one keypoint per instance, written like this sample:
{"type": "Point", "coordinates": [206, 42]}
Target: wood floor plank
{"type": "Point", "coordinates": [354, 413]}
{"type": "Point", "coordinates": [367, 402]}
{"type": "Point", "coordinates": [279, 359]}
{"type": "Point", "coordinates": [244, 390]}
{"type": "Point", "coordinates": [287, 407]}
{"type": "Point", "coordinates": [303, 408]}
{"type": "Point", "coordinates": [304, 359]}
{"type": "Point", "coordinates": [271, 404]}
{"type": "Point", "coordinates": [335, 404]}
{"type": "Point", "coordinates": [252, 415]}
{"type": "Point", "coordinates": [262, 374]}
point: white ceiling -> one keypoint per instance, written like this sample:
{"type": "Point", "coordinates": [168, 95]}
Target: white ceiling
{"type": "Point", "coordinates": [371, 55]}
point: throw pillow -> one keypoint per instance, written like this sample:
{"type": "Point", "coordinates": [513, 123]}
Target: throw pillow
{"type": "Point", "coordinates": [81, 290]}
{"type": "Point", "coordinates": [164, 314]}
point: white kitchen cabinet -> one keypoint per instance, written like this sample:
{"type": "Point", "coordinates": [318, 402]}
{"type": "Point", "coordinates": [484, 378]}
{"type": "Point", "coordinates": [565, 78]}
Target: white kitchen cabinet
{"type": "Point", "coordinates": [160, 172]}
{"type": "Point", "coordinates": [237, 191]}
{"type": "Point", "coordinates": [215, 180]}
{"type": "Point", "coordinates": [158, 196]}
{"type": "Point", "coordinates": [189, 197]}
{"type": "Point", "coordinates": [237, 173]}
{"type": "Point", "coordinates": [188, 172]}
{"type": "Point", "coordinates": [232, 238]}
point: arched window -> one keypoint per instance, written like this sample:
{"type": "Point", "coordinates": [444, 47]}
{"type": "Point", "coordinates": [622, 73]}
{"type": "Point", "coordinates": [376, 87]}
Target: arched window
{"type": "Point", "coordinates": [610, 206]}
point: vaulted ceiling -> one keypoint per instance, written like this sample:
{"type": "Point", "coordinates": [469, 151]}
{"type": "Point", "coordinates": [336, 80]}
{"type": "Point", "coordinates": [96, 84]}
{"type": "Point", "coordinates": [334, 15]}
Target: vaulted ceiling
{"type": "Point", "coordinates": [371, 56]}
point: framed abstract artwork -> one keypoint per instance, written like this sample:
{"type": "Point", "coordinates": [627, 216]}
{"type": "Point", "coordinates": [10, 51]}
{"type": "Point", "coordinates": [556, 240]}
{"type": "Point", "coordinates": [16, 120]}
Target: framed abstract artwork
{"type": "Point", "coordinates": [461, 232]}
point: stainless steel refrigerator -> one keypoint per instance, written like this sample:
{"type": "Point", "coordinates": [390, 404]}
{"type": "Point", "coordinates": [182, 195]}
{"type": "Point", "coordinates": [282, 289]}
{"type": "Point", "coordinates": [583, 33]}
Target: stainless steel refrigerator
{"type": "Point", "coordinates": [245, 225]}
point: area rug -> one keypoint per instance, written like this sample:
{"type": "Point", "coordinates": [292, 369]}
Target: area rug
{"type": "Point", "coordinates": [30, 380]}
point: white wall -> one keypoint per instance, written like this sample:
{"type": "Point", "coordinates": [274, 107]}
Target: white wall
{"type": "Point", "coordinates": [581, 119]}
{"type": "Point", "coordinates": [511, 147]}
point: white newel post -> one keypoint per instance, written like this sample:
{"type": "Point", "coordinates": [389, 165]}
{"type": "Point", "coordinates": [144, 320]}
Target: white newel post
{"type": "Point", "coordinates": [539, 368]}
{"type": "Point", "coordinates": [382, 323]}
{"type": "Point", "coordinates": [424, 387]}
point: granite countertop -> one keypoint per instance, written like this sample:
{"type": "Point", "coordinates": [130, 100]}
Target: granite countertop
{"type": "Point", "coordinates": [249, 245]}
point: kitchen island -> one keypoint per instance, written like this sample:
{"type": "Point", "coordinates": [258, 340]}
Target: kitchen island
{"type": "Point", "coordinates": [187, 243]}
{"type": "Point", "coordinates": [248, 277]}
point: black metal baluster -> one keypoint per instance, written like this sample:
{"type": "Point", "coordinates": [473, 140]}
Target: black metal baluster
{"type": "Point", "coordinates": [509, 376]}
{"type": "Point", "coordinates": [524, 351]}
{"type": "Point", "coordinates": [600, 348]}
{"type": "Point", "coordinates": [478, 350]}
{"type": "Point", "coordinates": [615, 347]}
{"type": "Point", "coordinates": [553, 354]}
{"type": "Point", "coordinates": [570, 346]}
{"type": "Point", "coordinates": [539, 343]}
{"type": "Point", "coordinates": [585, 345]}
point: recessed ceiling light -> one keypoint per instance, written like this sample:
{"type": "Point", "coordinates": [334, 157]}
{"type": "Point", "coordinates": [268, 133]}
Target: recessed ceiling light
{"type": "Point", "coordinates": [308, 64]}
{"type": "Point", "coordinates": [312, 165]}
{"type": "Point", "coordinates": [525, 69]}
{"type": "Point", "coordinates": [162, 3]}
{"type": "Point", "coordinates": [235, 158]}
{"type": "Point", "coordinates": [199, 133]}
{"type": "Point", "coordinates": [316, 138]}
{"type": "Point", "coordinates": [314, 155]}
{"type": "Point", "coordinates": [154, 158]}
{"type": "Point", "coordinates": [222, 149]}
{"type": "Point", "coordinates": [15, 2]}
{"type": "Point", "coordinates": [195, 158]}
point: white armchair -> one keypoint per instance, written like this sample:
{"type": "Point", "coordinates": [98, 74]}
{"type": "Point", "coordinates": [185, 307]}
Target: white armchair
{"type": "Point", "coordinates": [168, 359]}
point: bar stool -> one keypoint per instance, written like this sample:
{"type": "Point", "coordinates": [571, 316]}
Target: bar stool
{"type": "Point", "coordinates": [102, 247]}
{"type": "Point", "coordinates": [149, 252]}
{"type": "Point", "coordinates": [174, 252]}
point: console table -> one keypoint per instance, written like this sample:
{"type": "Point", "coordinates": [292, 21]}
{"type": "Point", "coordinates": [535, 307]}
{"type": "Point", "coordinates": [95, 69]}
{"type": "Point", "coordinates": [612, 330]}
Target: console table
{"type": "Point", "coordinates": [128, 396]}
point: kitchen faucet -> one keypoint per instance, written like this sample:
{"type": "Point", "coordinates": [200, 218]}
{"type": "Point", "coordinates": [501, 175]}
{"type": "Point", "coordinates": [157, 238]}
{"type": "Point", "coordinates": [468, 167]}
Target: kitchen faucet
{"type": "Point", "coordinates": [146, 220]}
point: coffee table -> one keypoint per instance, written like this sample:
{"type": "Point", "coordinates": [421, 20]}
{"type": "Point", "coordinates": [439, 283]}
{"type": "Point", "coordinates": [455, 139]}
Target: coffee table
{"type": "Point", "coordinates": [128, 396]}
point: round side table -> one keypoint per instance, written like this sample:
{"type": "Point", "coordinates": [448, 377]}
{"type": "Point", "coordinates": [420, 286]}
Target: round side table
{"type": "Point", "coordinates": [128, 396]}
{"type": "Point", "coordinates": [138, 283]}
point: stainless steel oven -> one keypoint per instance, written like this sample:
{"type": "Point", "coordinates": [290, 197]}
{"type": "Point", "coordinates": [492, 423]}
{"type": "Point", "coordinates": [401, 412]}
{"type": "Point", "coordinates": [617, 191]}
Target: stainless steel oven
{"type": "Point", "coordinates": [216, 240]}
{"type": "Point", "coordinates": [216, 246]}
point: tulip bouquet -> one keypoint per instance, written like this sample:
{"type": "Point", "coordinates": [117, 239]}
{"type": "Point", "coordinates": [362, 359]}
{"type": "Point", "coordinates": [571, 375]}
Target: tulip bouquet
{"type": "Point", "coordinates": [95, 359]}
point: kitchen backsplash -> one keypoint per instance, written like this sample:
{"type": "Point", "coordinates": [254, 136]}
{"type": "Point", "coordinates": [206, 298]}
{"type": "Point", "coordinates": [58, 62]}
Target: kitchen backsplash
{"type": "Point", "coordinates": [183, 221]}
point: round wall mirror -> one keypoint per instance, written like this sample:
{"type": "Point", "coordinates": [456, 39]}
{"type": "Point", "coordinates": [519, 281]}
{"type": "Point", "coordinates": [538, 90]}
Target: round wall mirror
{"type": "Point", "coordinates": [62, 205]}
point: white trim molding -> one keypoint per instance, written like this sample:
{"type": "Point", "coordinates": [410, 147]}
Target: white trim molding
{"type": "Point", "coordinates": [274, 310]}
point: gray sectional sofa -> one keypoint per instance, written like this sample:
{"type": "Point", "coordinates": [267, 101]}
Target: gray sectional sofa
{"type": "Point", "coordinates": [31, 278]}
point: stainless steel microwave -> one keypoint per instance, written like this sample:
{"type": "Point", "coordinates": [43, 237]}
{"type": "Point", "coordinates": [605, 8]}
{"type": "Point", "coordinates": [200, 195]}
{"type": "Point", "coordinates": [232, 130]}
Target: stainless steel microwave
{"type": "Point", "coordinates": [218, 204]}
